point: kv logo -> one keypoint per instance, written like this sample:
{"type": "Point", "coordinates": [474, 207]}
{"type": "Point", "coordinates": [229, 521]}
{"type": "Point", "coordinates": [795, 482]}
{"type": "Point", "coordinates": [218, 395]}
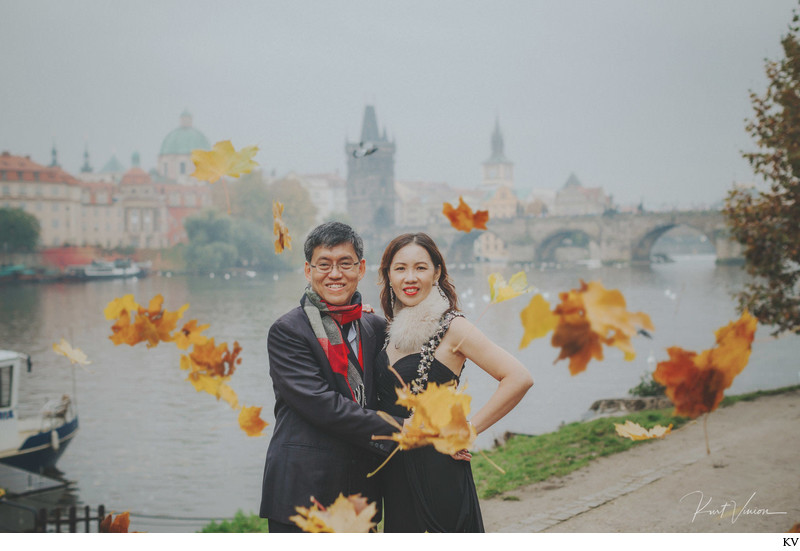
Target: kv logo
{"type": "Point", "coordinates": [790, 542]}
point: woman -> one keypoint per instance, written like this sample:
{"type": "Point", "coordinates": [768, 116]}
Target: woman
{"type": "Point", "coordinates": [429, 340]}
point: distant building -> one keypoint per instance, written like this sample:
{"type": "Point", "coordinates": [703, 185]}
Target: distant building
{"type": "Point", "coordinates": [498, 178]}
{"type": "Point", "coordinates": [575, 200]}
{"type": "Point", "coordinates": [497, 170]}
{"type": "Point", "coordinates": [175, 156]}
{"type": "Point", "coordinates": [328, 193]}
{"type": "Point", "coordinates": [371, 198]}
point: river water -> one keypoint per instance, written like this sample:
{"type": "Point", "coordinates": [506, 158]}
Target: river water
{"type": "Point", "coordinates": [150, 444]}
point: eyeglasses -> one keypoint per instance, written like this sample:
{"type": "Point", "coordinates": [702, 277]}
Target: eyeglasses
{"type": "Point", "coordinates": [325, 267]}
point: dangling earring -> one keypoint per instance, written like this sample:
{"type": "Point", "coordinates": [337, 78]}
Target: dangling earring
{"type": "Point", "coordinates": [441, 291]}
{"type": "Point", "coordinates": [391, 297]}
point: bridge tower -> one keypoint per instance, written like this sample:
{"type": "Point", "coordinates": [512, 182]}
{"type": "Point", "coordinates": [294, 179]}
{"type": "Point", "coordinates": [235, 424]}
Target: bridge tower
{"type": "Point", "coordinates": [371, 197]}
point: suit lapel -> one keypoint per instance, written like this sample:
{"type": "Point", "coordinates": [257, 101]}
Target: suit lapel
{"type": "Point", "coordinates": [368, 356]}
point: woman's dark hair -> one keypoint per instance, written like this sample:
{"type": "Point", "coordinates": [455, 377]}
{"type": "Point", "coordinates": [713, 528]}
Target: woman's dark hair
{"type": "Point", "coordinates": [423, 240]}
{"type": "Point", "coordinates": [331, 234]}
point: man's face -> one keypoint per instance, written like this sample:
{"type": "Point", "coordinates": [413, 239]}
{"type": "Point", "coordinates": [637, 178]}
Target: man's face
{"type": "Point", "coordinates": [337, 286]}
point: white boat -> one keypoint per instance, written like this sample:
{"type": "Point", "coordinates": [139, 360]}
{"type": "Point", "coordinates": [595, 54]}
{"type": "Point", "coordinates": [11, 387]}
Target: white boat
{"type": "Point", "coordinates": [104, 269]}
{"type": "Point", "coordinates": [31, 443]}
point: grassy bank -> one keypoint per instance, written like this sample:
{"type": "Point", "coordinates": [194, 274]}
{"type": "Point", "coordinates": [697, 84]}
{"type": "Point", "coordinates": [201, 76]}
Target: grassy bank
{"type": "Point", "coordinates": [530, 459]}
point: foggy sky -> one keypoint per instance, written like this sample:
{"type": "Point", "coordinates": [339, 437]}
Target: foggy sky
{"type": "Point", "coordinates": [645, 99]}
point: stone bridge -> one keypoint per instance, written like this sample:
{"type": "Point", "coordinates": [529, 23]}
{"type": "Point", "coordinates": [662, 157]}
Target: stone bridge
{"type": "Point", "coordinates": [609, 238]}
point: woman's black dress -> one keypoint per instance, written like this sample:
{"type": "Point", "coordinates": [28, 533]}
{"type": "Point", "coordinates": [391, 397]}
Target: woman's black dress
{"type": "Point", "coordinates": [424, 490]}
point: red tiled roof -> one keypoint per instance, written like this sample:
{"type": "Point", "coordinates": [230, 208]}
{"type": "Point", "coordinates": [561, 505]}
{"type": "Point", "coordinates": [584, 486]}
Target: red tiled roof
{"type": "Point", "coordinates": [136, 176]}
{"type": "Point", "coordinates": [15, 168]}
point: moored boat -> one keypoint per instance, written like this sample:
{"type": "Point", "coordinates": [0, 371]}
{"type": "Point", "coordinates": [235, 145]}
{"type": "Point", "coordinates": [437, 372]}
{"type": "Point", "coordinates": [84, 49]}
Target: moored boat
{"type": "Point", "coordinates": [31, 443]}
{"type": "Point", "coordinates": [105, 269]}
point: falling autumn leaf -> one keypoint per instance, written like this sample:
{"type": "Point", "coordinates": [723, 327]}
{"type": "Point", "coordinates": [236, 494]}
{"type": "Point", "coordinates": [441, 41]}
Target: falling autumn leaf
{"type": "Point", "coordinates": [117, 306]}
{"type": "Point", "coordinates": [223, 160]}
{"type": "Point", "coordinates": [696, 382]}
{"type": "Point", "coordinates": [74, 355]}
{"type": "Point", "coordinates": [190, 335]}
{"type": "Point", "coordinates": [635, 431]}
{"type": "Point", "coordinates": [216, 360]}
{"type": "Point", "coordinates": [152, 325]}
{"type": "Point", "coordinates": [347, 515]}
{"type": "Point", "coordinates": [118, 525]}
{"type": "Point", "coordinates": [440, 419]}
{"type": "Point", "coordinates": [251, 422]}
{"type": "Point", "coordinates": [590, 317]}
{"type": "Point", "coordinates": [284, 240]}
{"type": "Point", "coordinates": [463, 219]}
{"type": "Point", "coordinates": [537, 320]}
{"type": "Point", "coordinates": [500, 291]}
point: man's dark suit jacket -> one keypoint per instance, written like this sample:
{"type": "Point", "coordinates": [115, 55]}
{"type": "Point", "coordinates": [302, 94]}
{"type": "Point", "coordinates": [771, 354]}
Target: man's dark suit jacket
{"type": "Point", "coordinates": [321, 443]}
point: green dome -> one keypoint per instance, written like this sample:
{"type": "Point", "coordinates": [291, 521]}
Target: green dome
{"type": "Point", "coordinates": [184, 139]}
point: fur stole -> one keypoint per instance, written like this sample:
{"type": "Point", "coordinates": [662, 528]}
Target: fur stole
{"type": "Point", "coordinates": [414, 325]}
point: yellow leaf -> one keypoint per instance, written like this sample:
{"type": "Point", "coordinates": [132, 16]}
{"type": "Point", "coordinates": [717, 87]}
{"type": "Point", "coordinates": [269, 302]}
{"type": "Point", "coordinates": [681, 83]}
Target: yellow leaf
{"type": "Point", "coordinates": [284, 240]}
{"type": "Point", "coordinates": [440, 419]}
{"type": "Point", "coordinates": [190, 334]}
{"type": "Point", "coordinates": [251, 422]}
{"type": "Point", "coordinates": [537, 320]}
{"type": "Point", "coordinates": [634, 431]}
{"type": "Point", "coordinates": [119, 305]}
{"type": "Point", "coordinates": [499, 291]}
{"type": "Point", "coordinates": [347, 515]}
{"type": "Point", "coordinates": [223, 160]}
{"type": "Point", "coordinates": [216, 386]}
{"type": "Point", "coordinates": [74, 355]}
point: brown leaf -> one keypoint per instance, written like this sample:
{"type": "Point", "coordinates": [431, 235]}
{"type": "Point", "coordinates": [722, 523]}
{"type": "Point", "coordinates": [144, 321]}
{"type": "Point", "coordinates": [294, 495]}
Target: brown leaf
{"type": "Point", "coordinates": [463, 219]}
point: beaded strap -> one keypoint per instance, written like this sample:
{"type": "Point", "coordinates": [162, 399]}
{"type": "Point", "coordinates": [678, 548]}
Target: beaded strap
{"type": "Point", "coordinates": [429, 348]}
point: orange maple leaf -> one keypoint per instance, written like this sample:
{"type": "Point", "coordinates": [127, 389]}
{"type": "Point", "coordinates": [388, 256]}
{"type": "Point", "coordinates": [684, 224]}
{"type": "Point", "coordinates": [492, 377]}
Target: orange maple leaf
{"type": "Point", "coordinates": [463, 219]}
{"type": "Point", "coordinates": [118, 525]}
{"type": "Point", "coordinates": [347, 515]}
{"type": "Point", "coordinates": [251, 422]}
{"type": "Point", "coordinates": [216, 360]}
{"type": "Point", "coordinates": [284, 240]}
{"type": "Point", "coordinates": [696, 382]}
{"type": "Point", "coordinates": [590, 317]}
{"type": "Point", "coordinates": [152, 325]}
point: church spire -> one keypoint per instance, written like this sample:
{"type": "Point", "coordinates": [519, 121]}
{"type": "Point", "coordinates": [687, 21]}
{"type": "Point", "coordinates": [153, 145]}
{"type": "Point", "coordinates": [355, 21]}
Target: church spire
{"type": "Point", "coordinates": [369, 128]}
{"type": "Point", "coordinates": [86, 166]}
{"type": "Point", "coordinates": [497, 143]}
{"type": "Point", "coordinates": [54, 153]}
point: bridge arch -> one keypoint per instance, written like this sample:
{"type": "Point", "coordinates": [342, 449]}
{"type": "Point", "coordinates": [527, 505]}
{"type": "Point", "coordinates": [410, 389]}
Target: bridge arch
{"type": "Point", "coordinates": [642, 248]}
{"type": "Point", "coordinates": [547, 247]}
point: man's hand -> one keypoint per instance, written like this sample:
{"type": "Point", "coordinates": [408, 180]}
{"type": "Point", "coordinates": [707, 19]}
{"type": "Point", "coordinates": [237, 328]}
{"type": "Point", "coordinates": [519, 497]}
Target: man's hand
{"type": "Point", "coordinates": [367, 309]}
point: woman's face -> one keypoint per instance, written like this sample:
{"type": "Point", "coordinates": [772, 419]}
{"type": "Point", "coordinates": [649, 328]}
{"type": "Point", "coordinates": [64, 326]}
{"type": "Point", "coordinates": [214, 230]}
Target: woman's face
{"type": "Point", "coordinates": [412, 274]}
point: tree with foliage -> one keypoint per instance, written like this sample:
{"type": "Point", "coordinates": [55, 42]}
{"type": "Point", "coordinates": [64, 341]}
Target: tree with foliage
{"type": "Point", "coordinates": [767, 223]}
{"type": "Point", "coordinates": [19, 231]}
{"type": "Point", "coordinates": [210, 248]}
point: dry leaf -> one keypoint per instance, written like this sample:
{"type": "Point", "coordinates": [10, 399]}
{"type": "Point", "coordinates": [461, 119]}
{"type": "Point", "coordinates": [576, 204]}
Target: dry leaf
{"type": "Point", "coordinates": [590, 317]}
{"type": "Point", "coordinates": [223, 160]}
{"type": "Point", "coordinates": [74, 355]}
{"type": "Point", "coordinates": [118, 525]}
{"type": "Point", "coordinates": [152, 325]}
{"type": "Point", "coordinates": [440, 419]}
{"type": "Point", "coordinates": [251, 422]}
{"type": "Point", "coordinates": [696, 382]}
{"type": "Point", "coordinates": [500, 291]}
{"type": "Point", "coordinates": [463, 219]}
{"type": "Point", "coordinates": [347, 515]}
{"type": "Point", "coordinates": [537, 320]}
{"type": "Point", "coordinates": [190, 335]}
{"type": "Point", "coordinates": [284, 240]}
{"type": "Point", "coordinates": [635, 431]}
{"type": "Point", "coordinates": [118, 305]}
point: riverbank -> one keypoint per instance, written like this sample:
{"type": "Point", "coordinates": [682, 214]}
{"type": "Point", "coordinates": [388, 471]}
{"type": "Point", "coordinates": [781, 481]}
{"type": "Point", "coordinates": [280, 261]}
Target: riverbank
{"type": "Point", "coordinates": [749, 482]}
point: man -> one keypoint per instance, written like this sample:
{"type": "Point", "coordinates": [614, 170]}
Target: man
{"type": "Point", "coordinates": [321, 358]}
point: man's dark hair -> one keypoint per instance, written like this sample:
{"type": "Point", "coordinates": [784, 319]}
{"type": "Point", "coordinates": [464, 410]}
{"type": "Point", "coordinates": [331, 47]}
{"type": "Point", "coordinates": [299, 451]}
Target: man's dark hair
{"type": "Point", "coordinates": [331, 234]}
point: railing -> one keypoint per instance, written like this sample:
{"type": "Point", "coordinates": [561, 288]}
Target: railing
{"type": "Point", "coordinates": [72, 519]}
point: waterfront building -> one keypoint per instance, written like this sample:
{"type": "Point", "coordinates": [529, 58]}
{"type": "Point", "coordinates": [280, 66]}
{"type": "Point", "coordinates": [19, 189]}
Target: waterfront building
{"type": "Point", "coordinates": [498, 180]}
{"type": "Point", "coordinates": [328, 193]}
{"type": "Point", "coordinates": [575, 200]}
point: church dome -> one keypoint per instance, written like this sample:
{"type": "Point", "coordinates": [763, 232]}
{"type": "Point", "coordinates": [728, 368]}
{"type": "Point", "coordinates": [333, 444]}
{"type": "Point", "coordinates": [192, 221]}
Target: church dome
{"type": "Point", "coordinates": [184, 139]}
